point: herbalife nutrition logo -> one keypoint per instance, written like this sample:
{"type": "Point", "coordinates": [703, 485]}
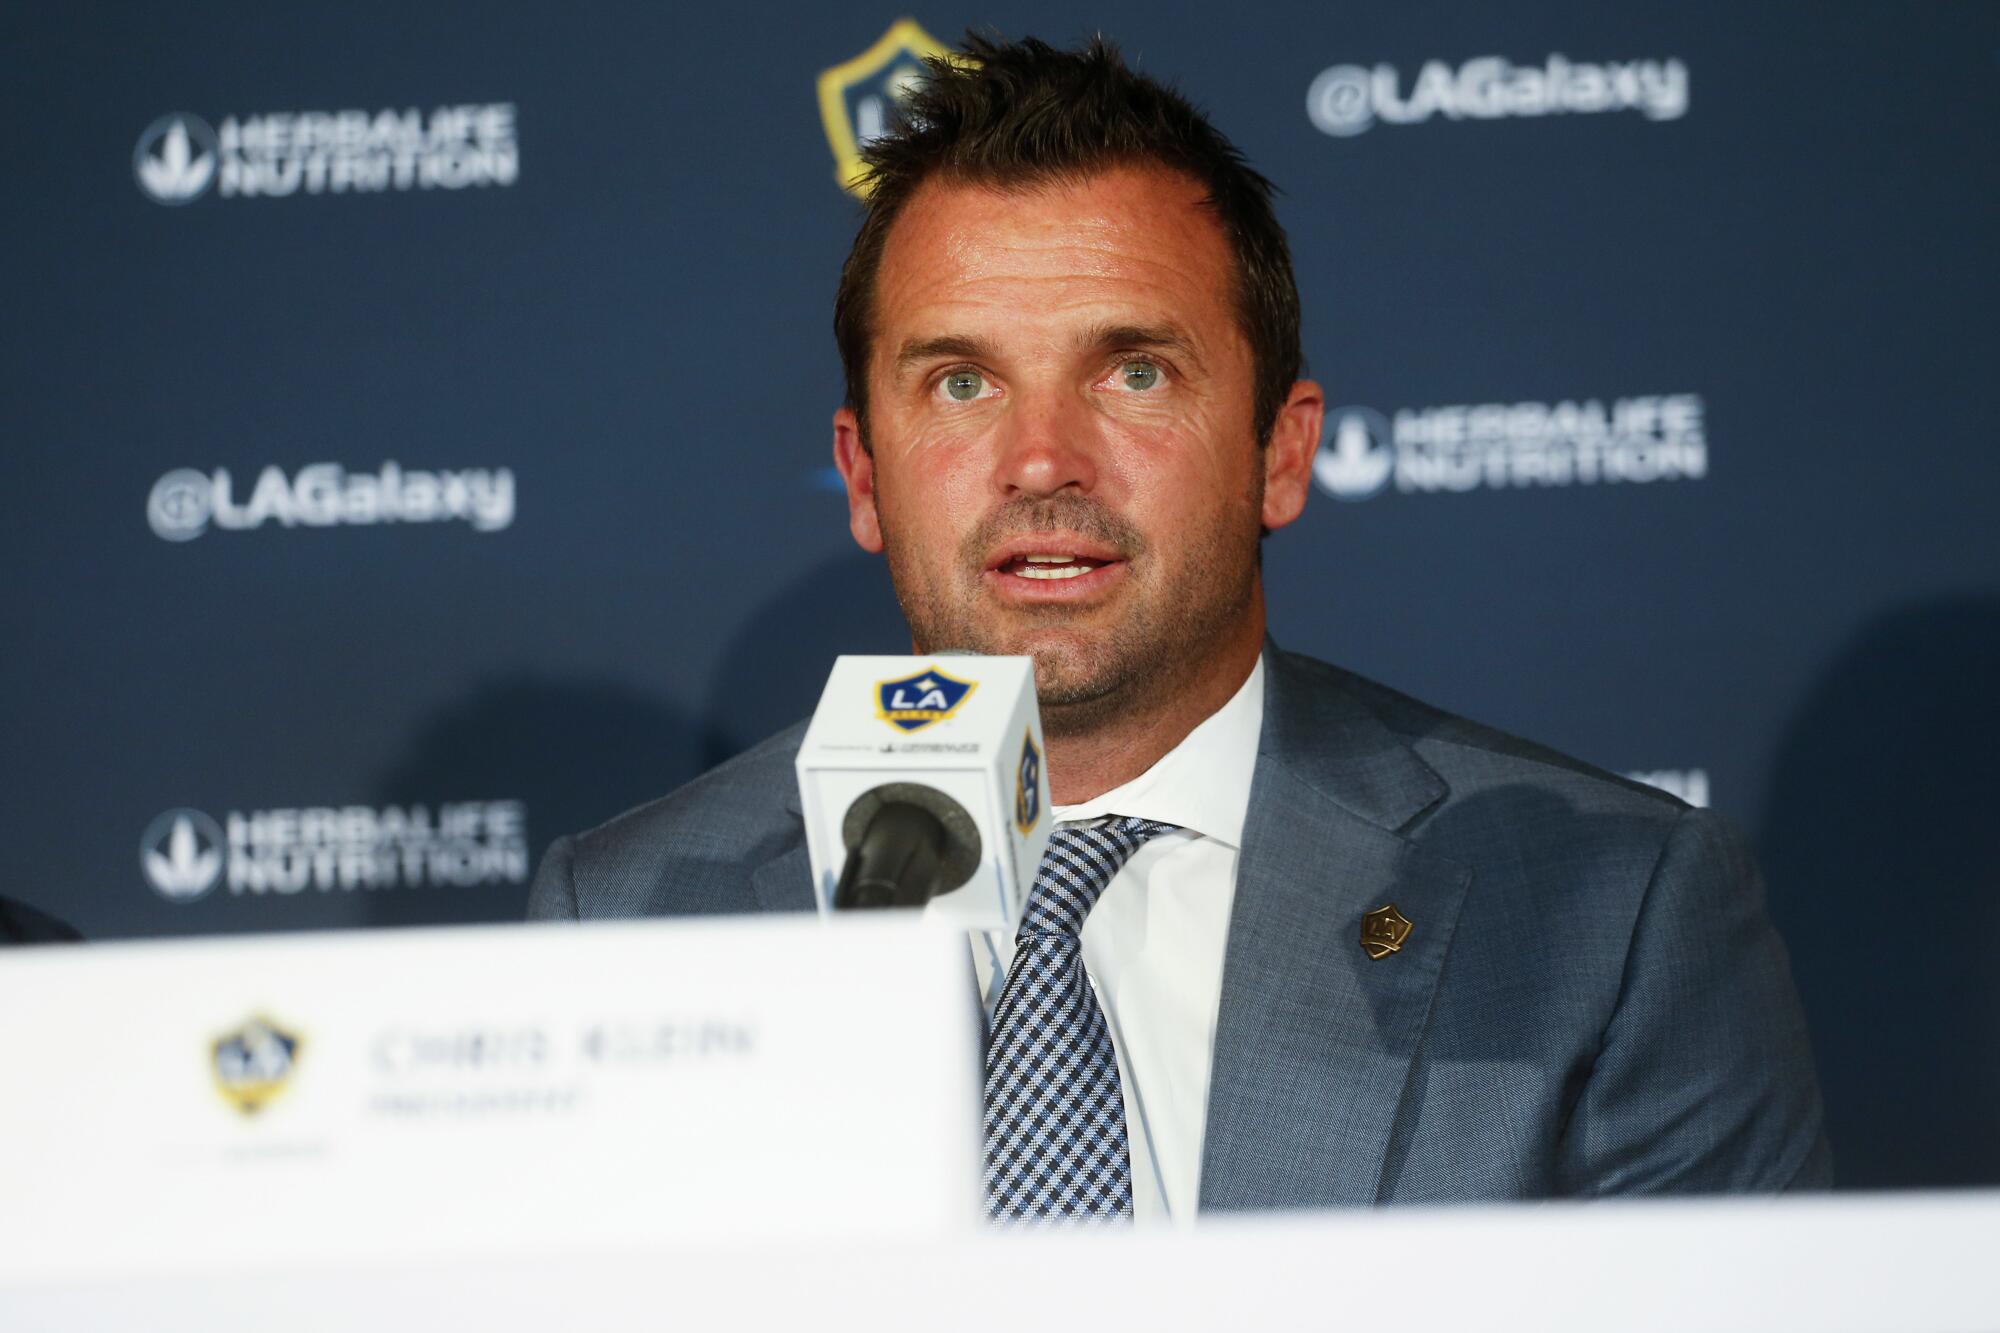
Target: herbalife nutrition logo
{"type": "Point", "coordinates": [1503, 446]}
{"type": "Point", "coordinates": [1356, 461]}
{"type": "Point", "coordinates": [180, 157]}
{"type": "Point", "coordinates": [182, 854]}
{"type": "Point", "coordinates": [458, 844]}
{"type": "Point", "coordinates": [175, 159]}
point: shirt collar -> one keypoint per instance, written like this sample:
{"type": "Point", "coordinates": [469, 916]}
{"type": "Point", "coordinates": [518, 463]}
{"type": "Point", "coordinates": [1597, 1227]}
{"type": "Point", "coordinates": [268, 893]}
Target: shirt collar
{"type": "Point", "coordinates": [1202, 784]}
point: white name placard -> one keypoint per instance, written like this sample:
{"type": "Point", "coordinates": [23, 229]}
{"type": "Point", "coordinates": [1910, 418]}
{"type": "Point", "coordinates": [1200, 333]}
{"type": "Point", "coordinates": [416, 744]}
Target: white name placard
{"type": "Point", "coordinates": [196, 1105]}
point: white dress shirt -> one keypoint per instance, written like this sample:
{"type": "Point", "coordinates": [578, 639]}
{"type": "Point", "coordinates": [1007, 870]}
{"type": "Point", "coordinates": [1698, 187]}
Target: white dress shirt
{"type": "Point", "coordinates": [1153, 945]}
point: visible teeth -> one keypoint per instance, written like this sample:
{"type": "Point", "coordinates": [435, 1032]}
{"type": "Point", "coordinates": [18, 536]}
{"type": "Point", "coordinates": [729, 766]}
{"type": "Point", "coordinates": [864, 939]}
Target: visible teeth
{"type": "Point", "coordinates": [1048, 559]}
{"type": "Point", "coordinates": [1066, 572]}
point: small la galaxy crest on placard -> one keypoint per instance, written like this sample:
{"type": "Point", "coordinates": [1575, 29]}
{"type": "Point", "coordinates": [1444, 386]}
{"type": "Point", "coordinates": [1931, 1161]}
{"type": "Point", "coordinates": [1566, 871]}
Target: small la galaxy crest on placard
{"type": "Point", "coordinates": [1028, 785]}
{"type": "Point", "coordinates": [253, 1064]}
{"type": "Point", "coordinates": [912, 703]}
{"type": "Point", "coordinates": [858, 98]}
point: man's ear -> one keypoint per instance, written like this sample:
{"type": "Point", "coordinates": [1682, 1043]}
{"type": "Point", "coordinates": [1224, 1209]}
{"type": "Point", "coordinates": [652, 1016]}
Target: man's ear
{"type": "Point", "coordinates": [857, 469]}
{"type": "Point", "coordinates": [1288, 458]}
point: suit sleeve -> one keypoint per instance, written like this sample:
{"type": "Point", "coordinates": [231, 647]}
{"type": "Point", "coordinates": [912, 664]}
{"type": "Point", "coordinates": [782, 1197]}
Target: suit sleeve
{"type": "Point", "coordinates": [1704, 1077]}
{"type": "Point", "coordinates": [552, 897]}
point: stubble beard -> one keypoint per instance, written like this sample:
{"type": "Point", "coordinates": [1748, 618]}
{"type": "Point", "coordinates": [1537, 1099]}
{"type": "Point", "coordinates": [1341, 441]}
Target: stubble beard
{"type": "Point", "coordinates": [1092, 665]}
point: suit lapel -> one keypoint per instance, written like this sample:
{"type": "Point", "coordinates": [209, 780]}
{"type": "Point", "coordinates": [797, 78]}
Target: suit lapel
{"type": "Point", "coordinates": [784, 883]}
{"type": "Point", "coordinates": [1313, 1037]}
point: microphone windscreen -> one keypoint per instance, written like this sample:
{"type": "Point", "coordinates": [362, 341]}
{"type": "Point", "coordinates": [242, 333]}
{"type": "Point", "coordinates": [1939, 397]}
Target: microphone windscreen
{"type": "Point", "coordinates": [958, 856]}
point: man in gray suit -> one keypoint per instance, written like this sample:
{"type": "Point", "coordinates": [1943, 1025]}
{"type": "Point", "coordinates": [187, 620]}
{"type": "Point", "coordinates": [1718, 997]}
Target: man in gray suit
{"type": "Point", "coordinates": [1300, 940]}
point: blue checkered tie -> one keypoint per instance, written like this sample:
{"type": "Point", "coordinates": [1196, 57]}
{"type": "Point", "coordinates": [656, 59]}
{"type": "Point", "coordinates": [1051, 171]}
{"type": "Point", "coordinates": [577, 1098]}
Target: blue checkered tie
{"type": "Point", "coordinates": [1055, 1117]}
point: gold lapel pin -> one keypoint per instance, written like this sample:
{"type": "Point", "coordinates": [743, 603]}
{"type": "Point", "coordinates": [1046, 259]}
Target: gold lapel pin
{"type": "Point", "coordinates": [1383, 931]}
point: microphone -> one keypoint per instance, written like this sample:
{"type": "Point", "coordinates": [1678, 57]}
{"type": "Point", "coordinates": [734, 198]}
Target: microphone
{"type": "Point", "coordinates": [906, 844]}
{"type": "Point", "coordinates": [922, 785]}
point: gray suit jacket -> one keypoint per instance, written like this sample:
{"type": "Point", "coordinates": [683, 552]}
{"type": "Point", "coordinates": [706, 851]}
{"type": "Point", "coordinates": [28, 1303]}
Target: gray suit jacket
{"type": "Point", "coordinates": [1591, 1000]}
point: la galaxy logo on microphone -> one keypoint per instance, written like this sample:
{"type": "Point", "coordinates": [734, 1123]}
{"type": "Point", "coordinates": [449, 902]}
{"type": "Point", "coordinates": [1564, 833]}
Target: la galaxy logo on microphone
{"type": "Point", "coordinates": [1028, 785]}
{"type": "Point", "coordinates": [914, 702]}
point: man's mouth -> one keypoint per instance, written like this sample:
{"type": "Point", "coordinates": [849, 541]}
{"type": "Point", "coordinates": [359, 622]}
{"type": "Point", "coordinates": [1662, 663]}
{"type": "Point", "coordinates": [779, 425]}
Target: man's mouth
{"type": "Point", "coordinates": [1053, 568]}
{"type": "Point", "coordinates": [1050, 565]}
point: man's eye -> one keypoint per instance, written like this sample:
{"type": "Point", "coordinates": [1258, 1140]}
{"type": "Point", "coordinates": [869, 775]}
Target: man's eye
{"type": "Point", "coordinates": [1139, 375]}
{"type": "Point", "coordinates": [964, 385]}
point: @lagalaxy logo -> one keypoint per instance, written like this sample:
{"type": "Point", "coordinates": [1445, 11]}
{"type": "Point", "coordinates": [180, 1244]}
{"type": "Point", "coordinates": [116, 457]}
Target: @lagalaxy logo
{"type": "Point", "coordinates": [175, 160]}
{"type": "Point", "coordinates": [185, 503]}
{"type": "Point", "coordinates": [1346, 100]}
{"type": "Point", "coordinates": [180, 504]}
{"type": "Point", "coordinates": [1341, 101]}
{"type": "Point", "coordinates": [1356, 461]}
{"type": "Point", "coordinates": [182, 855]}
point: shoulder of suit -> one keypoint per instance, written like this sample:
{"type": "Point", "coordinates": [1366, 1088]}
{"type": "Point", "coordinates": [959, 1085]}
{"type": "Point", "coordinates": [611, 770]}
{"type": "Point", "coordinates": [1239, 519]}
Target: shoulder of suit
{"type": "Point", "coordinates": [1474, 758]}
{"type": "Point", "coordinates": [731, 809]}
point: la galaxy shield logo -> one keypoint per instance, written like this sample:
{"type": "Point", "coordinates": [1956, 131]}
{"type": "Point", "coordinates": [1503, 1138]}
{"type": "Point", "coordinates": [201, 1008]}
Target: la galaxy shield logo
{"type": "Point", "coordinates": [253, 1064]}
{"type": "Point", "coordinates": [914, 702]}
{"type": "Point", "coordinates": [1028, 785]}
{"type": "Point", "coordinates": [858, 98]}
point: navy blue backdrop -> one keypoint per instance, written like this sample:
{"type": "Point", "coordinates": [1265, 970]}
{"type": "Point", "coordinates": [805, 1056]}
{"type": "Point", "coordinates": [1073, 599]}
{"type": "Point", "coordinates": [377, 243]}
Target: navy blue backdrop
{"type": "Point", "coordinates": [418, 429]}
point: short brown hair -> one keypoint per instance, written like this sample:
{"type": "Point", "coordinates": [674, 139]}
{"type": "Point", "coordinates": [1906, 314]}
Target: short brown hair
{"type": "Point", "coordinates": [1023, 114]}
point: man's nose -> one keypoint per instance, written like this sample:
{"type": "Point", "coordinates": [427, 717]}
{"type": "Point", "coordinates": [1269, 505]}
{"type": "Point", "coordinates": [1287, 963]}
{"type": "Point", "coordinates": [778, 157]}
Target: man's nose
{"type": "Point", "coordinates": [1047, 446]}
